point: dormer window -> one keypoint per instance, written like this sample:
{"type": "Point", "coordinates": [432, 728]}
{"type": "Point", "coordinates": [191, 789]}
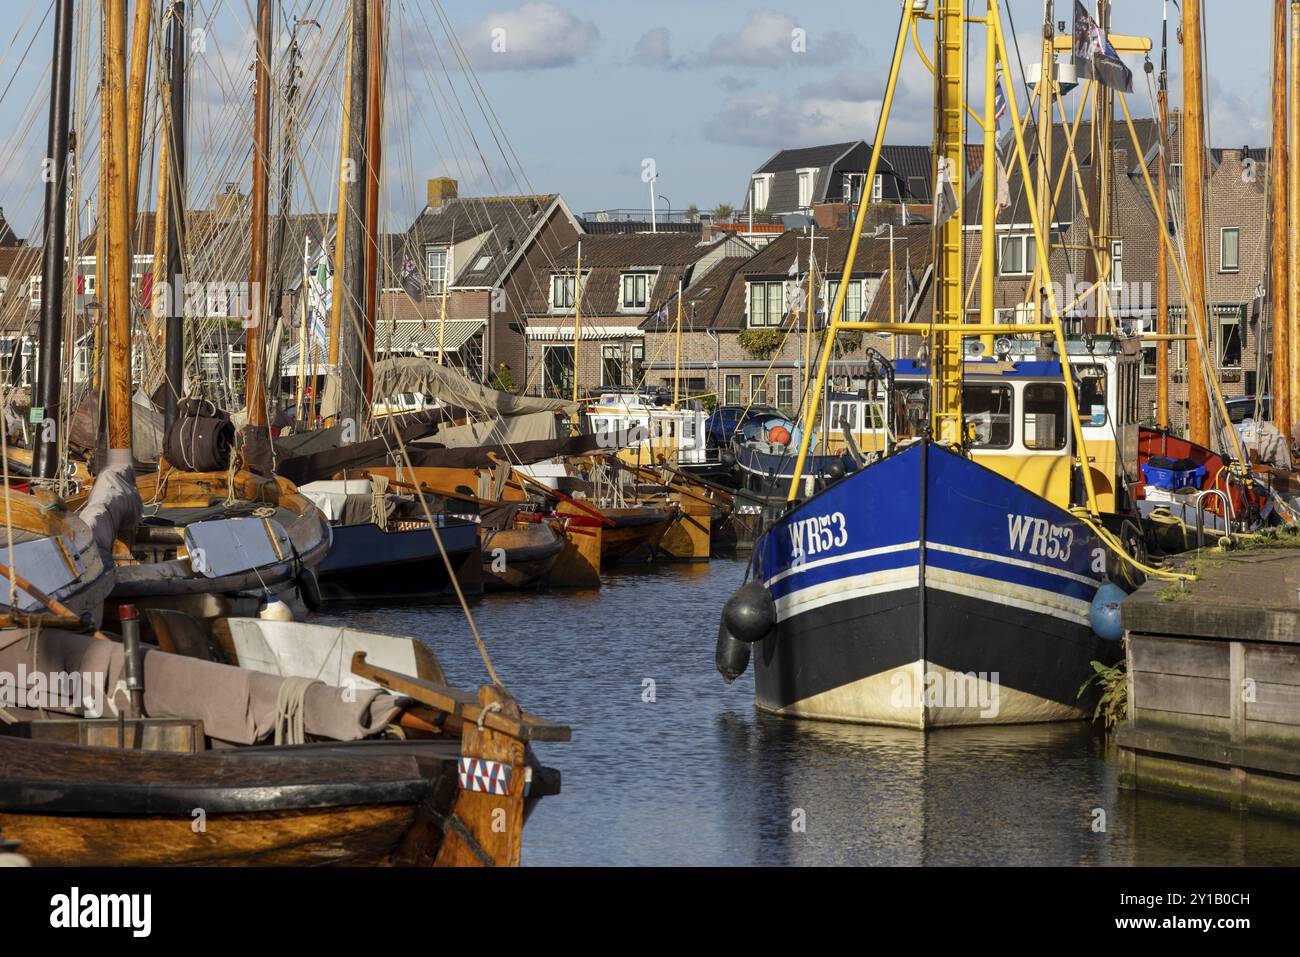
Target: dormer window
{"type": "Point", "coordinates": [766, 303]}
{"type": "Point", "coordinates": [562, 291]}
{"type": "Point", "coordinates": [807, 180]}
{"type": "Point", "coordinates": [760, 192]}
{"type": "Point", "coordinates": [437, 263]}
{"type": "Point", "coordinates": [635, 291]}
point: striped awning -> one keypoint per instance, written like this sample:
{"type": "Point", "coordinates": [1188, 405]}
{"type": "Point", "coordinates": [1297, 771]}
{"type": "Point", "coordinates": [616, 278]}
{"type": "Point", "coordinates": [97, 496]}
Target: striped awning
{"type": "Point", "coordinates": [565, 333]}
{"type": "Point", "coordinates": [415, 338]}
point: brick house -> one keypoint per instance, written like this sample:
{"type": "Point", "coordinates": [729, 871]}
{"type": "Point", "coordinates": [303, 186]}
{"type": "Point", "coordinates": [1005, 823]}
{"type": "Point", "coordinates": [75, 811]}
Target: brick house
{"type": "Point", "coordinates": [489, 253]}
{"type": "Point", "coordinates": [626, 277]}
{"type": "Point", "coordinates": [744, 327]}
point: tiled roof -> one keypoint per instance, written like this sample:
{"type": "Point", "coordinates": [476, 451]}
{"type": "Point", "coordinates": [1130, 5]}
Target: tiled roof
{"type": "Point", "coordinates": [508, 219]}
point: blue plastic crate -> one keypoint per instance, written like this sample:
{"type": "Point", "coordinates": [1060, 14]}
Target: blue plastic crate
{"type": "Point", "coordinates": [1174, 479]}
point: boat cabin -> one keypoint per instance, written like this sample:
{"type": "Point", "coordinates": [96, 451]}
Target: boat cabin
{"type": "Point", "coordinates": [649, 430]}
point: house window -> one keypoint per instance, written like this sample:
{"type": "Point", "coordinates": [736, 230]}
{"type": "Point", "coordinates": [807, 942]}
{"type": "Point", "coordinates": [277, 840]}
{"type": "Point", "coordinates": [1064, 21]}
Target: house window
{"type": "Point", "coordinates": [635, 285]}
{"type": "Point", "coordinates": [766, 303]}
{"type": "Point", "coordinates": [34, 291]}
{"type": "Point", "coordinates": [731, 390]}
{"type": "Point", "coordinates": [561, 291]}
{"type": "Point", "coordinates": [761, 191]}
{"type": "Point", "coordinates": [437, 261]}
{"type": "Point", "coordinates": [1016, 255]}
{"type": "Point", "coordinates": [638, 363]}
{"type": "Point", "coordinates": [1230, 319]}
{"type": "Point", "coordinates": [1229, 249]}
{"type": "Point", "coordinates": [1149, 360]}
{"type": "Point", "coordinates": [1117, 264]}
{"type": "Point", "coordinates": [988, 409]}
{"type": "Point", "coordinates": [611, 365]}
{"type": "Point", "coordinates": [853, 188]}
{"type": "Point", "coordinates": [1044, 404]}
{"type": "Point", "coordinates": [878, 188]}
{"type": "Point", "coordinates": [806, 178]}
{"type": "Point", "coordinates": [758, 389]}
{"type": "Point", "coordinates": [557, 371]}
{"type": "Point", "coordinates": [785, 393]}
{"type": "Point", "coordinates": [853, 306]}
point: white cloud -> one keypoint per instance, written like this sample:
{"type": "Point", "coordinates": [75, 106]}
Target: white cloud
{"type": "Point", "coordinates": [654, 48]}
{"type": "Point", "coordinates": [770, 39]}
{"type": "Point", "coordinates": [535, 36]}
{"type": "Point", "coordinates": [735, 84]}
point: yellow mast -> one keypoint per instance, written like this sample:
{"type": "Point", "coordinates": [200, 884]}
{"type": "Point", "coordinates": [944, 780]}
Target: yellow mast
{"type": "Point", "coordinates": [577, 320]}
{"type": "Point", "coordinates": [677, 363]}
{"type": "Point", "coordinates": [1046, 92]}
{"type": "Point", "coordinates": [988, 197]}
{"type": "Point", "coordinates": [949, 304]}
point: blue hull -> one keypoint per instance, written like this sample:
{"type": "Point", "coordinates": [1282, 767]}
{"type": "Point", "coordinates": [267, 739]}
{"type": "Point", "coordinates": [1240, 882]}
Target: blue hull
{"type": "Point", "coordinates": [927, 590]}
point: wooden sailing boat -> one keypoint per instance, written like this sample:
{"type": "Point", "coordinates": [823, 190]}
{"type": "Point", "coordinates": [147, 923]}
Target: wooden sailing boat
{"type": "Point", "coordinates": [222, 534]}
{"type": "Point", "coordinates": [339, 784]}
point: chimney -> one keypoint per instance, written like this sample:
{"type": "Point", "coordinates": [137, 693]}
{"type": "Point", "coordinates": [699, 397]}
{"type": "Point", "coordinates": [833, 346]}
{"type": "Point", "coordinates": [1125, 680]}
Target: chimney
{"type": "Point", "coordinates": [440, 190]}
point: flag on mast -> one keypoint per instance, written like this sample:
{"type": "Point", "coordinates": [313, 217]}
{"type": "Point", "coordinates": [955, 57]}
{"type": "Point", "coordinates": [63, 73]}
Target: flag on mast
{"type": "Point", "coordinates": [999, 103]}
{"type": "Point", "coordinates": [945, 195]}
{"type": "Point", "coordinates": [1094, 57]}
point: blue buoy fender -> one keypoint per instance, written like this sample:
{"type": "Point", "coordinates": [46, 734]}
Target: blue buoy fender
{"type": "Point", "coordinates": [1105, 612]}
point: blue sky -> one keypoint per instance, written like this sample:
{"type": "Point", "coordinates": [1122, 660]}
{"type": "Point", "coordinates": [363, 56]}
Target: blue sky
{"type": "Point", "coordinates": [576, 95]}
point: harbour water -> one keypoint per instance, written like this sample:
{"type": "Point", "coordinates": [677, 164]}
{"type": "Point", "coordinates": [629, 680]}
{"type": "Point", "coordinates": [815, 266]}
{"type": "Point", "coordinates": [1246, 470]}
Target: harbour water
{"type": "Point", "coordinates": [670, 766]}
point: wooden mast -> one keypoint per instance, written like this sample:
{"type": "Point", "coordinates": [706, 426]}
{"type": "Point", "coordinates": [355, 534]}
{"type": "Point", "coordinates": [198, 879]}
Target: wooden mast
{"type": "Point", "coordinates": [1198, 400]}
{"type": "Point", "coordinates": [1293, 219]}
{"type": "Point", "coordinates": [374, 145]}
{"type": "Point", "coordinates": [1281, 368]}
{"type": "Point", "coordinates": [139, 79]}
{"type": "Point", "coordinates": [255, 376]}
{"type": "Point", "coordinates": [1046, 92]}
{"type": "Point", "coordinates": [49, 378]}
{"type": "Point", "coordinates": [346, 346]}
{"type": "Point", "coordinates": [116, 294]}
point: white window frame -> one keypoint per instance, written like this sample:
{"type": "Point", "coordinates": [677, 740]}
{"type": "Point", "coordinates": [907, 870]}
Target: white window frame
{"type": "Point", "coordinates": [1116, 264]}
{"type": "Point", "coordinates": [34, 291]}
{"type": "Point", "coordinates": [854, 183]}
{"type": "Point", "coordinates": [608, 352]}
{"type": "Point", "coordinates": [1223, 235]}
{"type": "Point", "coordinates": [806, 177]}
{"type": "Point", "coordinates": [645, 291]}
{"type": "Point", "coordinates": [830, 289]}
{"type": "Point", "coordinates": [568, 291]}
{"type": "Point", "coordinates": [760, 188]}
{"type": "Point", "coordinates": [728, 380]}
{"type": "Point", "coordinates": [757, 384]}
{"type": "Point", "coordinates": [1027, 251]}
{"type": "Point", "coordinates": [1225, 315]}
{"type": "Point", "coordinates": [878, 189]}
{"type": "Point", "coordinates": [437, 276]}
{"type": "Point", "coordinates": [770, 285]}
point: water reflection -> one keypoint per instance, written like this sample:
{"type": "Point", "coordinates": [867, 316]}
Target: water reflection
{"type": "Point", "coordinates": [670, 766]}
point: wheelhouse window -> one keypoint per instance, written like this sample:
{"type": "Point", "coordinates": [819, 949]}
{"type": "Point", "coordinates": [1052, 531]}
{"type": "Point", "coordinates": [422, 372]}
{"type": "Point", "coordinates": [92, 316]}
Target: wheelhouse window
{"type": "Point", "coordinates": [1045, 426]}
{"type": "Point", "coordinates": [766, 303]}
{"type": "Point", "coordinates": [1229, 249]}
{"type": "Point", "coordinates": [635, 286]}
{"type": "Point", "coordinates": [1092, 395]}
{"type": "Point", "coordinates": [987, 409]}
{"type": "Point", "coordinates": [1016, 255]}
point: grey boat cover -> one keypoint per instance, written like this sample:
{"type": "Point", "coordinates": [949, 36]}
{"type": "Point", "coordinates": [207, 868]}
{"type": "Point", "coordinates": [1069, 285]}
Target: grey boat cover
{"type": "Point", "coordinates": [114, 506]}
{"type": "Point", "coordinates": [237, 706]}
{"type": "Point", "coordinates": [414, 374]}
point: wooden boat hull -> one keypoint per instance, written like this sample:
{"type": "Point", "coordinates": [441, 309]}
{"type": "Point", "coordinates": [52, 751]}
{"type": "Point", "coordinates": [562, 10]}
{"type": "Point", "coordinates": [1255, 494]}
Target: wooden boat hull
{"type": "Point", "coordinates": [367, 563]}
{"type": "Point", "coordinates": [520, 556]}
{"type": "Point", "coordinates": [362, 803]}
{"type": "Point", "coordinates": [633, 537]}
